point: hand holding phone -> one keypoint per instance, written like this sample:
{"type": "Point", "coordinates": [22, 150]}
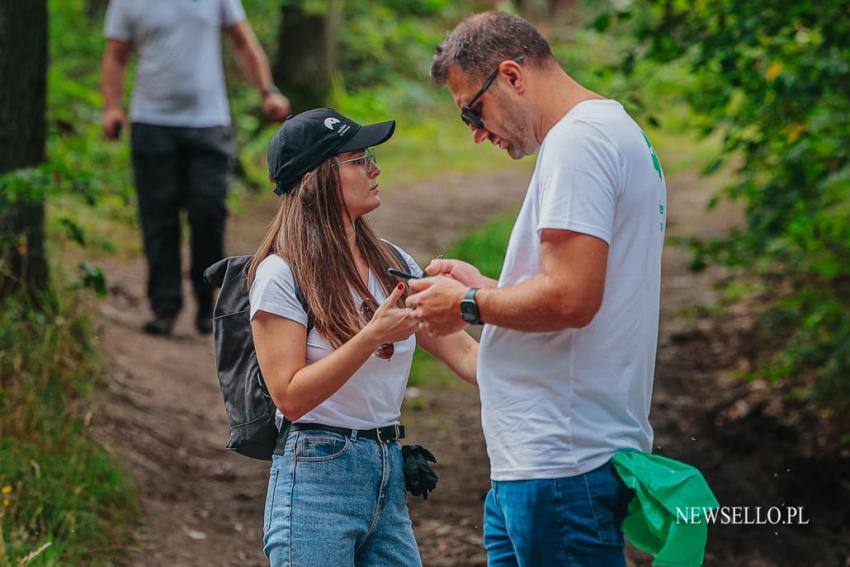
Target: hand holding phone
{"type": "Point", "coordinates": [401, 275]}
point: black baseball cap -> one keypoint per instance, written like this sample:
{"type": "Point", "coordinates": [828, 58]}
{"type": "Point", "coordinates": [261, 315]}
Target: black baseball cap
{"type": "Point", "coordinates": [306, 140]}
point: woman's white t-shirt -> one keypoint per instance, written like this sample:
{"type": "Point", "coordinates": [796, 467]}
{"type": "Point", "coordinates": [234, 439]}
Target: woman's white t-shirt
{"type": "Point", "coordinates": [372, 397]}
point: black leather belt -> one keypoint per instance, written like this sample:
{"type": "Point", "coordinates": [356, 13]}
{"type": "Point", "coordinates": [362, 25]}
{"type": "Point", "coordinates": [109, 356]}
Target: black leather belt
{"type": "Point", "coordinates": [381, 434]}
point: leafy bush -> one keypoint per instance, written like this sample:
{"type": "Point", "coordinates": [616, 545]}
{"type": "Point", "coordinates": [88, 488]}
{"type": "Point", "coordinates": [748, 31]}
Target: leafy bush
{"type": "Point", "coordinates": [771, 77]}
{"type": "Point", "coordinates": [60, 492]}
{"type": "Point", "coordinates": [382, 41]}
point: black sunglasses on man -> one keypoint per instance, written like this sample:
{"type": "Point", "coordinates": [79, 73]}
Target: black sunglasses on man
{"type": "Point", "coordinates": [471, 117]}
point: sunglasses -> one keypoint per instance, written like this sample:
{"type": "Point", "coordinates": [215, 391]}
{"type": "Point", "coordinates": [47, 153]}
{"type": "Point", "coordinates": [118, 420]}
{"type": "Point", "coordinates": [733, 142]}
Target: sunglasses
{"type": "Point", "coordinates": [386, 350]}
{"type": "Point", "coordinates": [368, 159]}
{"type": "Point", "coordinates": [471, 117]}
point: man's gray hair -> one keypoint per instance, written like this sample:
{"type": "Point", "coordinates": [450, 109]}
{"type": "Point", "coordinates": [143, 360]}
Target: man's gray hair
{"type": "Point", "coordinates": [481, 41]}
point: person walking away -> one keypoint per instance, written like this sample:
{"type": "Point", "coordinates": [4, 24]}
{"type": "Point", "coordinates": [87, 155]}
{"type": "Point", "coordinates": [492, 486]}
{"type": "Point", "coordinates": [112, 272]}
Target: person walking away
{"type": "Point", "coordinates": [180, 139]}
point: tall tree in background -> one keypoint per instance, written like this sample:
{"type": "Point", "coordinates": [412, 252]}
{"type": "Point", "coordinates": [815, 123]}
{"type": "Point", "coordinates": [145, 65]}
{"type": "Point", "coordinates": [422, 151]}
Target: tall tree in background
{"type": "Point", "coordinates": [23, 89]}
{"type": "Point", "coordinates": [306, 51]}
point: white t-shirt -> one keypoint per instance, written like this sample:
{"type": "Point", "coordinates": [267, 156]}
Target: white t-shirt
{"type": "Point", "coordinates": [562, 403]}
{"type": "Point", "coordinates": [179, 79]}
{"type": "Point", "coordinates": [372, 397]}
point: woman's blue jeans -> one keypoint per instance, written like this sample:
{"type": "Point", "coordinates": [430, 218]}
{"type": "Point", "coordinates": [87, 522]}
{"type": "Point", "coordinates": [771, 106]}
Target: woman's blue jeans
{"type": "Point", "coordinates": [336, 501]}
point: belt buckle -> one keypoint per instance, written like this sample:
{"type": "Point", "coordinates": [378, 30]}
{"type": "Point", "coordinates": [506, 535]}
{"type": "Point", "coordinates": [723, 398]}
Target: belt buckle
{"type": "Point", "coordinates": [396, 432]}
{"type": "Point", "coordinates": [395, 437]}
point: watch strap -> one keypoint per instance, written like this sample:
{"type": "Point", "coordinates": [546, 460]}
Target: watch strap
{"type": "Point", "coordinates": [270, 90]}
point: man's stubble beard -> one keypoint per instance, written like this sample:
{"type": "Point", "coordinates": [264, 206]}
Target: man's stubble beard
{"type": "Point", "coordinates": [518, 123]}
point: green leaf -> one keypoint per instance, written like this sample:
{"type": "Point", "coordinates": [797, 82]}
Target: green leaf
{"type": "Point", "coordinates": [92, 277]}
{"type": "Point", "coordinates": [74, 231]}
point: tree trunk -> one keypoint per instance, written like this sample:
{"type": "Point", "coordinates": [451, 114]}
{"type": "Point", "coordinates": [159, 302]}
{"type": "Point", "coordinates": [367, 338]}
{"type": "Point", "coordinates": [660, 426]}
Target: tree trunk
{"type": "Point", "coordinates": [306, 54]}
{"type": "Point", "coordinates": [95, 9]}
{"type": "Point", "coordinates": [23, 90]}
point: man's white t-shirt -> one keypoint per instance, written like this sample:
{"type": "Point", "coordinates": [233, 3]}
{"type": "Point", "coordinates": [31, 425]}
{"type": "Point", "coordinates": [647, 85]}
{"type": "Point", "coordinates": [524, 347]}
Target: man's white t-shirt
{"type": "Point", "coordinates": [561, 403]}
{"type": "Point", "coordinates": [372, 397]}
{"type": "Point", "coordinates": [179, 78]}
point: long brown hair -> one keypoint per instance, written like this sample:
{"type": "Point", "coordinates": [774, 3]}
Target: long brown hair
{"type": "Point", "coordinates": [308, 232]}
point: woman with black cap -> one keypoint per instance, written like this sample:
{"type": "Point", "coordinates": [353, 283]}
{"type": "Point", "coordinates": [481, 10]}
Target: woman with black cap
{"type": "Point", "coordinates": [335, 345]}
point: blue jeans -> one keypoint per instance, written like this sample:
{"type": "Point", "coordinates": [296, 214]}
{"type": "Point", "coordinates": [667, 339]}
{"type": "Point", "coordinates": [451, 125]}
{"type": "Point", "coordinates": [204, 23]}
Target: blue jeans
{"type": "Point", "coordinates": [337, 501]}
{"type": "Point", "coordinates": [572, 521]}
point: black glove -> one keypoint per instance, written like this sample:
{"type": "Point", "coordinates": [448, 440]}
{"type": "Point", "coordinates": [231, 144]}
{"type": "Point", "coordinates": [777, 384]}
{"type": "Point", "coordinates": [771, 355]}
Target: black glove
{"type": "Point", "coordinates": [419, 479]}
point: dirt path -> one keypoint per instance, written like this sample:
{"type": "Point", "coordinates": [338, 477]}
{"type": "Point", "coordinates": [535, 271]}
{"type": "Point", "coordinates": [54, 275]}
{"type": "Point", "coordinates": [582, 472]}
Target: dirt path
{"type": "Point", "coordinates": [163, 415]}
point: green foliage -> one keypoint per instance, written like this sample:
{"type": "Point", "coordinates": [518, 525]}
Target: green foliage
{"type": "Point", "coordinates": [486, 247]}
{"type": "Point", "coordinates": [771, 77]}
{"type": "Point", "coordinates": [409, 30]}
{"type": "Point", "coordinates": [58, 488]}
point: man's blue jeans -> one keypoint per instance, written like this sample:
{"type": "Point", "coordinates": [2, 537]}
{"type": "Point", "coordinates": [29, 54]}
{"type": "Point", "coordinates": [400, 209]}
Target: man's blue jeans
{"type": "Point", "coordinates": [572, 521]}
{"type": "Point", "coordinates": [337, 501]}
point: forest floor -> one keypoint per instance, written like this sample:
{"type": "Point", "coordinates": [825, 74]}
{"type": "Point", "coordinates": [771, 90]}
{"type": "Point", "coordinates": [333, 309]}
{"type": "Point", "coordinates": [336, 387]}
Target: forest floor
{"type": "Point", "coordinates": [162, 414]}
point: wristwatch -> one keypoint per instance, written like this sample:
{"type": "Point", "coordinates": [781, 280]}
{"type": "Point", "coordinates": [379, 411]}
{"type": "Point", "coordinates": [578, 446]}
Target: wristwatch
{"type": "Point", "coordinates": [269, 90]}
{"type": "Point", "coordinates": [469, 308]}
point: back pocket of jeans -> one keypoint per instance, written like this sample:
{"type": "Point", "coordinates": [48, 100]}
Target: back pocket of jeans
{"type": "Point", "coordinates": [269, 511]}
{"type": "Point", "coordinates": [320, 446]}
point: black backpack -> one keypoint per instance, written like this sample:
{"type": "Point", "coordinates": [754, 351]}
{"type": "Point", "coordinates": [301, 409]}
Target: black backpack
{"type": "Point", "coordinates": [249, 406]}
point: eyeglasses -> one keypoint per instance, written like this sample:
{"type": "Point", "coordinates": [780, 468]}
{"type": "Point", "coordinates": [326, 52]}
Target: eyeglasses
{"type": "Point", "coordinates": [386, 350]}
{"type": "Point", "coordinates": [368, 159]}
{"type": "Point", "coordinates": [472, 117]}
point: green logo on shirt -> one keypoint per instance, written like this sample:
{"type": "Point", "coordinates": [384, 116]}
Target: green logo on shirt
{"type": "Point", "coordinates": [655, 163]}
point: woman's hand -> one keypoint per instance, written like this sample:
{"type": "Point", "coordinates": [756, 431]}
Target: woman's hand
{"type": "Point", "coordinates": [390, 323]}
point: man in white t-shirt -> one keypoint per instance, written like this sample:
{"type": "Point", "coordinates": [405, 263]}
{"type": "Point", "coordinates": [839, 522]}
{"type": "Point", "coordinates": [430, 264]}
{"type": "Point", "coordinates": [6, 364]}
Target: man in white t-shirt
{"type": "Point", "coordinates": [181, 140]}
{"type": "Point", "coordinates": [567, 353]}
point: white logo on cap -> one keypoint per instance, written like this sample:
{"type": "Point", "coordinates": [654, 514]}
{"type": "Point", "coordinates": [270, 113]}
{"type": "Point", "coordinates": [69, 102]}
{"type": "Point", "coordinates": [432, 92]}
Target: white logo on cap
{"type": "Point", "coordinates": [330, 122]}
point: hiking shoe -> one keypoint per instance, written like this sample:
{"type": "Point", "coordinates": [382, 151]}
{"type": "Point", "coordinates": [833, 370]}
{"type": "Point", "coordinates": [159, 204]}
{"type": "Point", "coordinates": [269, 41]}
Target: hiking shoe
{"type": "Point", "coordinates": [161, 324]}
{"type": "Point", "coordinates": [203, 322]}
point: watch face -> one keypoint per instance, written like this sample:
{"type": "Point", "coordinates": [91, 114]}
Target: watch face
{"type": "Point", "coordinates": [469, 311]}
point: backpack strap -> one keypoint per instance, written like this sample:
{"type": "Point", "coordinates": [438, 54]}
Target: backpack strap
{"type": "Point", "coordinates": [402, 262]}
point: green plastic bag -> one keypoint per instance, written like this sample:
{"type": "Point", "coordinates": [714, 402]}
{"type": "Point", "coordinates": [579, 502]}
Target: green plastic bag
{"type": "Point", "coordinates": [667, 515]}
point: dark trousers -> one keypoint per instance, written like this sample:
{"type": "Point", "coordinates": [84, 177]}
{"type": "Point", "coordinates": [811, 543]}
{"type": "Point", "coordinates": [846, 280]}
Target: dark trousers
{"type": "Point", "coordinates": [176, 168]}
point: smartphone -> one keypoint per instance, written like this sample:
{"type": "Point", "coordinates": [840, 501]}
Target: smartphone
{"type": "Point", "coordinates": [401, 275]}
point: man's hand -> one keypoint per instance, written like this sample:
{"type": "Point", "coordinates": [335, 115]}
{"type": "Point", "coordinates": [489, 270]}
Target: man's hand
{"type": "Point", "coordinates": [115, 59]}
{"type": "Point", "coordinates": [465, 273]}
{"type": "Point", "coordinates": [436, 304]}
{"type": "Point", "coordinates": [253, 62]}
{"type": "Point", "coordinates": [114, 121]}
{"type": "Point", "coordinates": [275, 106]}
